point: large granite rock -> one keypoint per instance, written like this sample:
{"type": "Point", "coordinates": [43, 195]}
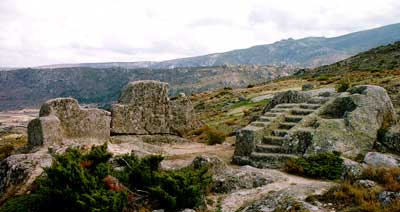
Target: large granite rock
{"type": "Point", "coordinates": [63, 119]}
{"type": "Point", "coordinates": [183, 117]}
{"type": "Point", "coordinates": [145, 109]}
{"type": "Point", "coordinates": [18, 172]}
{"type": "Point", "coordinates": [381, 160]}
{"type": "Point", "coordinates": [350, 123]}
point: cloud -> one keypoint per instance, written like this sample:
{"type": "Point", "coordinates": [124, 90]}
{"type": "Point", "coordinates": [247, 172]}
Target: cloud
{"type": "Point", "coordinates": [38, 32]}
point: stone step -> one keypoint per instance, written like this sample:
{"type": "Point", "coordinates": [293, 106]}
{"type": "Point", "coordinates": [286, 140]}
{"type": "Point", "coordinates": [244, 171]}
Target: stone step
{"type": "Point", "coordinates": [310, 106]}
{"type": "Point", "coordinates": [265, 118]}
{"type": "Point", "coordinates": [287, 105]}
{"type": "Point", "coordinates": [294, 119]}
{"type": "Point", "coordinates": [302, 112]}
{"type": "Point", "coordinates": [273, 140]}
{"type": "Point", "coordinates": [260, 123]}
{"type": "Point", "coordinates": [270, 160]}
{"type": "Point", "coordinates": [271, 114]}
{"type": "Point", "coordinates": [286, 125]}
{"type": "Point", "coordinates": [265, 148]}
{"type": "Point", "coordinates": [280, 132]}
{"type": "Point", "coordinates": [318, 100]}
{"type": "Point", "coordinates": [279, 110]}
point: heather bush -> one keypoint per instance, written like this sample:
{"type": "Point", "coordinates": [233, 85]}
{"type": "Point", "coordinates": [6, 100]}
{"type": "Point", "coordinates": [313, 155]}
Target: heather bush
{"type": "Point", "coordinates": [322, 165]}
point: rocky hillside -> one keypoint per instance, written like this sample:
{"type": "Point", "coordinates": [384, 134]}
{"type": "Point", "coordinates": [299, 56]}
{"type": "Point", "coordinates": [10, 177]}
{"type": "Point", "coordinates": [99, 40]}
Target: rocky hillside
{"type": "Point", "coordinates": [306, 52]}
{"type": "Point", "coordinates": [377, 59]}
{"type": "Point", "coordinates": [31, 87]}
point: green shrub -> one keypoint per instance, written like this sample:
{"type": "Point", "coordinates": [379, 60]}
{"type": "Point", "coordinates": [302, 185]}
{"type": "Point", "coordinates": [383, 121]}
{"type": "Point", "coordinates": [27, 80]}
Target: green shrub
{"type": "Point", "coordinates": [6, 151]}
{"type": "Point", "coordinates": [215, 137]}
{"type": "Point", "coordinates": [170, 190]}
{"type": "Point", "coordinates": [321, 165]}
{"type": "Point", "coordinates": [87, 182]}
{"type": "Point", "coordinates": [74, 182]}
{"type": "Point", "coordinates": [342, 86]}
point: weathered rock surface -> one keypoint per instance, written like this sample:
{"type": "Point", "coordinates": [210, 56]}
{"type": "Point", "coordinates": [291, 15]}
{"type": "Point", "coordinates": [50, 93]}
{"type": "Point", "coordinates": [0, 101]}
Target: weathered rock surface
{"type": "Point", "coordinates": [287, 199]}
{"type": "Point", "coordinates": [387, 197]}
{"type": "Point", "coordinates": [63, 119]}
{"type": "Point", "coordinates": [381, 160]}
{"type": "Point", "coordinates": [183, 117]}
{"type": "Point", "coordinates": [365, 183]}
{"type": "Point", "coordinates": [18, 172]}
{"type": "Point", "coordinates": [349, 124]}
{"type": "Point", "coordinates": [144, 109]}
{"type": "Point", "coordinates": [226, 179]}
{"type": "Point", "coordinates": [287, 97]}
{"type": "Point", "coordinates": [391, 140]}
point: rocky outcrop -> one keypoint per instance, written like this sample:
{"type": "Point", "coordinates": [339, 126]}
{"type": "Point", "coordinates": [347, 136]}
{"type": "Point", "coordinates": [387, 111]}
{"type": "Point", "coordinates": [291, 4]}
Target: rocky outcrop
{"type": "Point", "coordinates": [18, 172]}
{"type": "Point", "coordinates": [183, 117]}
{"type": "Point", "coordinates": [145, 109]}
{"type": "Point", "coordinates": [350, 123]}
{"type": "Point", "coordinates": [63, 119]}
{"type": "Point", "coordinates": [391, 140]}
{"type": "Point", "coordinates": [377, 159]}
{"type": "Point", "coordinates": [302, 123]}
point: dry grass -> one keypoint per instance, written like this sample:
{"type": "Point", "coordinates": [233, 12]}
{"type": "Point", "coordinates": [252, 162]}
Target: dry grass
{"type": "Point", "coordinates": [350, 197]}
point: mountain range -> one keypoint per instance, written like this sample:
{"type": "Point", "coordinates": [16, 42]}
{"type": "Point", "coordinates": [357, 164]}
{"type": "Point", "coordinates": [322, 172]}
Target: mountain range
{"type": "Point", "coordinates": [307, 52]}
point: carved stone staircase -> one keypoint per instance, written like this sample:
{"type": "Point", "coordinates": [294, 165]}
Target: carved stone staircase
{"type": "Point", "coordinates": [269, 151]}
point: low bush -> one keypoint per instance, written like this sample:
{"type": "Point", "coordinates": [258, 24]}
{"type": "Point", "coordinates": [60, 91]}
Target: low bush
{"type": "Point", "coordinates": [215, 137]}
{"type": "Point", "coordinates": [322, 165]}
{"type": "Point", "coordinates": [6, 151]}
{"type": "Point", "coordinates": [342, 86]}
{"type": "Point", "coordinates": [74, 182]}
{"type": "Point", "coordinates": [88, 182]}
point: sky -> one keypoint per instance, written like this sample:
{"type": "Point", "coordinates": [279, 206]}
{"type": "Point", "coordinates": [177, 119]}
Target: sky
{"type": "Point", "coordinates": [42, 32]}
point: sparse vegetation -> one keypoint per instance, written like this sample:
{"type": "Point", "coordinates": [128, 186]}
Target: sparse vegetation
{"type": "Point", "coordinates": [342, 86]}
{"type": "Point", "coordinates": [215, 137]}
{"type": "Point", "coordinates": [349, 196]}
{"type": "Point", "coordinates": [322, 165]}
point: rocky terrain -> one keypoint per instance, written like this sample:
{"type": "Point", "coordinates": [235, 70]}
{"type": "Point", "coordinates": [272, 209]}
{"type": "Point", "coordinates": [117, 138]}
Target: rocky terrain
{"type": "Point", "coordinates": [62, 123]}
{"type": "Point", "coordinates": [332, 140]}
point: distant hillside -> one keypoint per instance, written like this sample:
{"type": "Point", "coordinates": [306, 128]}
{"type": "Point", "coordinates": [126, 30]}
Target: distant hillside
{"type": "Point", "coordinates": [31, 87]}
{"type": "Point", "coordinates": [381, 58]}
{"type": "Point", "coordinates": [306, 52]}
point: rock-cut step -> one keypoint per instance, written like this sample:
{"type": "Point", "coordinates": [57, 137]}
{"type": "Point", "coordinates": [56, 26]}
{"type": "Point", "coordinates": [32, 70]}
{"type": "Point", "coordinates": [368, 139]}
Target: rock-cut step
{"type": "Point", "coordinates": [286, 125]}
{"type": "Point", "coordinates": [270, 160]}
{"type": "Point", "coordinates": [318, 100]}
{"type": "Point", "coordinates": [280, 132]}
{"type": "Point", "coordinates": [260, 124]}
{"type": "Point", "coordinates": [273, 140]}
{"type": "Point", "coordinates": [266, 148]}
{"type": "Point", "coordinates": [272, 114]}
{"type": "Point", "coordinates": [310, 106]}
{"type": "Point", "coordinates": [293, 118]}
{"type": "Point", "coordinates": [303, 112]}
{"type": "Point", "coordinates": [287, 106]}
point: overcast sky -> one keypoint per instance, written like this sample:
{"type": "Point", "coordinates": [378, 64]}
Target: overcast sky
{"type": "Point", "coordinates": [39, 32]}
